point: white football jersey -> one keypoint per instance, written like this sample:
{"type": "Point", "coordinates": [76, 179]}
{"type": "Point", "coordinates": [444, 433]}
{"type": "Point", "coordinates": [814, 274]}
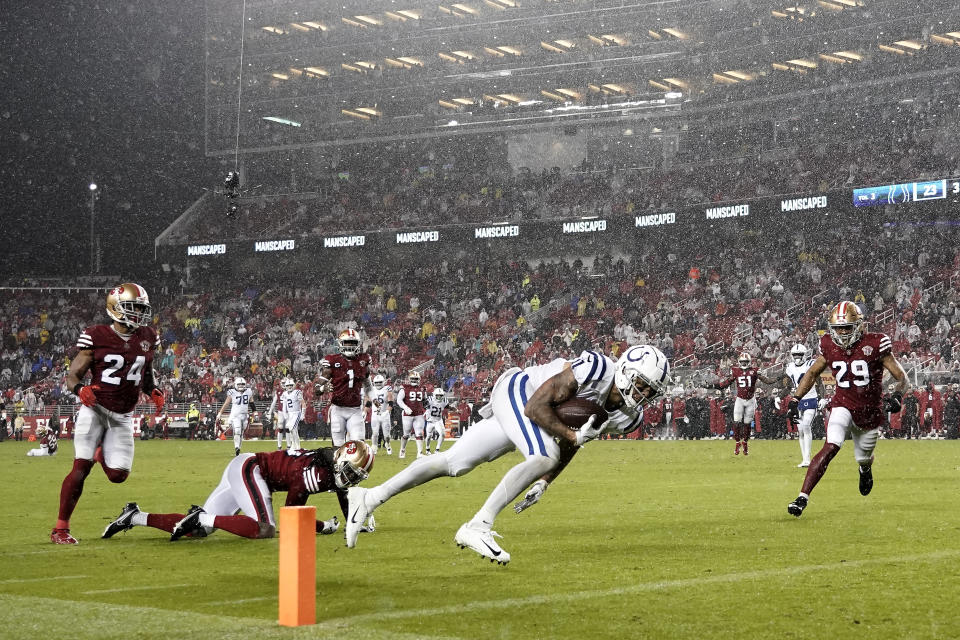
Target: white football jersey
{"type": "Point", "coordinates": [291, 403]}
{"type": "Point", "coordinates": [378, 400]}
{"type": "Point", "coordinates": [240, 401]}
{"type": "Point", "coordinates": [435, 409]}
{"type": "Point", "coordinates": [796, 372]}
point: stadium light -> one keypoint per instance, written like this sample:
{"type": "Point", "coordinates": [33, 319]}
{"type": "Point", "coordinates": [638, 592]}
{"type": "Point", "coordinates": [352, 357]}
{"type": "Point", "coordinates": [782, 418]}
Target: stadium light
{"type": "Point", "coordinates": [93, 186]}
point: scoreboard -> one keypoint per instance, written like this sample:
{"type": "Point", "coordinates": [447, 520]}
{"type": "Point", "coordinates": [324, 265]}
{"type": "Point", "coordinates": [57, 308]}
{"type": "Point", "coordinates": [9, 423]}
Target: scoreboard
{"type": "Point", "coordinates": [906, 192]}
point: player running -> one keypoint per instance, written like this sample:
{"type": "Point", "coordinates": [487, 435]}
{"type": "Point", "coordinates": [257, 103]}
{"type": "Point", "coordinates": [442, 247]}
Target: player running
{"type": "Point", "coordinates": [240, 401]}
{"type": "Point", "coordinates": [521, 416]}
{"type": "Point", "coordinates": [119, 358]}
{"type": "Point", "coordinates": [346, 375]}
{"type": "Point", "coordinates": [380, 401]}
{"type": "Point", "coordinates": [808, 404]}
{"type": "Point", "coordinates": [436, 410]}
{"type": "Point", "coordinates": [248, 484]}
{"type": "Point", "coordinates": [857, 361]}
{"type": "Point", "coordinates": [745, 406]}
{"type": "Point", "coordinates": [412, 398]}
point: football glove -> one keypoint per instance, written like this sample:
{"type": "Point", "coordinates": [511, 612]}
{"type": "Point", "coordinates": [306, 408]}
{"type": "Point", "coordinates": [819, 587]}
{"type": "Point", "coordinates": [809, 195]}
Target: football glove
{"type": "Point", "coordinates": [158, 400]}
{"type": "Point", "coordinates": [589, 431]}
{"type": "Point", "coordinates": [88, 395]}
{"type": "Point", "coordinates": [893, 403]}
{"type": "Point", "coordinates": [821, 403]}
{"type": "Point", "coordinates": [532, 496]}
{"type": "Point", "coordinates": [326, 527]}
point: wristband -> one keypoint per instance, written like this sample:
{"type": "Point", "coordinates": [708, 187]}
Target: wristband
{"type": "Point", "coordinates": [76, 388]}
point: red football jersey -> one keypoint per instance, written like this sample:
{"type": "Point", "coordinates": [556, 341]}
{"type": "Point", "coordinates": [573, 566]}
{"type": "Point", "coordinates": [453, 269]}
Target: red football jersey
{"type": "Point", "coordinates": [746, 380]}
{"type": "Point", "coordinates": [413, 396]}
{"type": "Point", "coordinates": [119, 363]}
{"type": "Point", "coordinates": [347, 376]}
{"type": "Point", "coordinates": [859, 374]}
{"type": "Point", "coordinates": [298, 475]}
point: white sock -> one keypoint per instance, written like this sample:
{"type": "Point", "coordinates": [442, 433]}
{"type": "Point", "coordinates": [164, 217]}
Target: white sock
{"type": "Point", "coordinates": [139, 519]}
{"type": "Point", "coordinates": [236, 441]}
{"type": "Point", "coordinates": [206, 519]}
{"type": "Point", "coordinates": [515, 482]}
{"type": "Point", "coordinates": [419, 446]}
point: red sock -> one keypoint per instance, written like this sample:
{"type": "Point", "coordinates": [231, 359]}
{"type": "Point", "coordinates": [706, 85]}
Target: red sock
{"type": "Point", "coordinates": [163, 521]}
{"type": "Point", "coordinates": [71, 489]}
{"type": "Point", "coordinates": [238, 525]}
{"type": "Point", "coordinates": [818, 466]}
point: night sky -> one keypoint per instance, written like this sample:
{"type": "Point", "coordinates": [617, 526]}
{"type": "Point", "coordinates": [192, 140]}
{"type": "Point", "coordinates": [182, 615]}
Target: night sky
{"type": "Point", "coordinates": [110, 93]}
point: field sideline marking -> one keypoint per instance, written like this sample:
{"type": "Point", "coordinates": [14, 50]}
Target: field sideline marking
{"type": "Point", "coordinates": [240, 601]}
{"type": "Point", "coordinates": [554, 598]}
{"type": "Point", "coordinates": [143, 588]}
{"type": "Point", "coordinates": [19, 580]}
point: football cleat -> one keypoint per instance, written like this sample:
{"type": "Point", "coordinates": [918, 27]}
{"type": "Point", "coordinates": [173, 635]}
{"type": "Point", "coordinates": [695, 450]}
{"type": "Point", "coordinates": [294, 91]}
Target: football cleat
{"type": "Point", "coordinates": [481, 541]}
{"type": "Point", "coordinates": [803, 464]}
{"type": "Point", "coordinates": [62, 536]}
{"type": "Point", "coordinates": [123, 522]}
{"type": "Point", "coordinates": [796, 507]}
{"type": "Point", "coordinates": [389, 451]}
{"type": "Point", "coordinates": [357, 512]}
{"type": "Point", "coordinates": [190, 523]}
{"type": "Point", "coordinates": [866, 480]}
{"type": "Point", "coordinates": [236, 451]}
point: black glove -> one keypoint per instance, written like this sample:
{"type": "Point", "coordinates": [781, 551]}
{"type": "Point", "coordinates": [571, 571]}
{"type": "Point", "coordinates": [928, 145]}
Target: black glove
{"type": "Point", "coordinates": [893, 403]}
{"type": "Point", "coordinates": [793, 411]}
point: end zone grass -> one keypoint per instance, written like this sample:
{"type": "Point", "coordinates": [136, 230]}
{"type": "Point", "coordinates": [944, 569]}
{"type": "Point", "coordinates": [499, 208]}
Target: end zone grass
{"type": "Point", "coordinates": [648, 539]}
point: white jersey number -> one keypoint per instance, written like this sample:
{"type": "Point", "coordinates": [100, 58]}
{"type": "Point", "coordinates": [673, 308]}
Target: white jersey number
{"type": "Point", "coordinates": [858, 369]}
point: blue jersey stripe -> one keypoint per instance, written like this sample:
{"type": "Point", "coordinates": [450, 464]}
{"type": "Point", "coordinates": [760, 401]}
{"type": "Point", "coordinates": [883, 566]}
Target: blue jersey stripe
{"type": "Point", "coordinates": [536, 428]}
{"type": "Point", "coordinates": [592, 370]}
{"type": "Point", "coordinates": [516, 412]}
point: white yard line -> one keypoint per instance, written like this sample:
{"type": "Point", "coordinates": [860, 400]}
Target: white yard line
{"type": "Point", "coordinates": [239, 601]}
{"type": "Point", "coordinates": [19, 580]}
{"type": "Point", "coordinates": [143, 588]}
{"type": "Point", "coordinates": [554, 598]}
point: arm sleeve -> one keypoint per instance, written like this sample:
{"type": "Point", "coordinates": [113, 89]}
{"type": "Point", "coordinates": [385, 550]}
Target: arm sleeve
{"type": "Point", "coordinates": [400, 401]}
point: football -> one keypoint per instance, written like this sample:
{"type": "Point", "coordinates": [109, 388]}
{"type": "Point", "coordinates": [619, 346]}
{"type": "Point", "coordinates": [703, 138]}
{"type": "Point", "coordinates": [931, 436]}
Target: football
{"type": "Point", "coordinates": [575, 411]}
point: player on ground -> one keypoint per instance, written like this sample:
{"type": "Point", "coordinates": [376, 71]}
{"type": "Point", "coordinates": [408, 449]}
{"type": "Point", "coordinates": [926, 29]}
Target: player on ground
{"type": "Point", "coordinates": [412, 399]}
{"type": "Point", "coordinates": [436, 411]}
{"type": "Point", "coordinates": [291, 410]}
{"type": "Point", "coordinates": [247, 485]}
{"type": "Point", "coordinates": [119, 358]}
{"type": "Point", "coordinates": [521, 416]}
{"type": "Point", "coordinates": [811, 401]}
{"type": "Point", "coordinates": [48, 435]}
{"type": "Point", "coordinates": [348, 373]}
{"type": "Point", "coordinates": [745, 406]}
{"type": "Point", "coordinates": [381, 402]}
{"type": "Point", "coordinates": [240, 401]}
{"type": "Point", "coordinates": [857, 360]}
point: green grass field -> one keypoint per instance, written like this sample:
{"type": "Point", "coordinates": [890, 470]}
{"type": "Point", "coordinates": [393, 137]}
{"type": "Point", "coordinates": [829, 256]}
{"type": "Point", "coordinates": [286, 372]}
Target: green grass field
{"type": "Point", "coordinates": [636, 540]}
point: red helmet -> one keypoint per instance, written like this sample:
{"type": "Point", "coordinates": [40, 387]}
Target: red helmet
{"type": "Point", "coordinates": [349, 343]}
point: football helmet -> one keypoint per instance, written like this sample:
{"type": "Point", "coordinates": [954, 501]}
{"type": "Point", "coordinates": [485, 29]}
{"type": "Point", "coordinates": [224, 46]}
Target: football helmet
{"type": "Point", "coordinates": [641, 364]}
{"type": "Point", "coordinates": [239, 383]}
{"type": "Point", "coordinates": [846, 324]}
{"type": "Point", "coordinates": [349, 343]}
{"type": "Point", "coordinates": [352, 463]}
{"type": "Point", "coordinates": [288, 384]}
{"type": "Point", "coordinates": [799, 353]}
{"type": "Point", "coordinates": [379, 381]}
{"type": "Point", "coordinates": [744, 359]}
{"type": "Point", "coordinates": [414, 377]}
{"type": "Point", "coordinates": [439, 395]}
{"type": "Point", "coordinates": [129, 305]}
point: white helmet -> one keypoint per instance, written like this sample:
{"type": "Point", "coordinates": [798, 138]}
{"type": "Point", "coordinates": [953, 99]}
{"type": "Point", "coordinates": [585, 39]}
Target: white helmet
{"type": "Point", "coordinates": [641, 363]}
{"type": "Point", "coordinates": [379, 381]}
{"type": "Point", "coordinates": [439, 395]}
{"type": "Point", "coordinates": [798, 353]}
{"type": "Point", "coordinates": [288, 384]}
{"type": "Point", "coordinates": [414, 377]}
{"type": "Point", "coordinates": [744, 359]}
{"type": "Point", "coordinates": [352, 463]}
{"type": "Point", "coordinates": [239, 383]}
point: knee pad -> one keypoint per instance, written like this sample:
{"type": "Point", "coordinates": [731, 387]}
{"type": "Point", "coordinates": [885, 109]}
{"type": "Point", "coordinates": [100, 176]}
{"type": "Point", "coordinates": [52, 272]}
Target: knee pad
{"type": "Point", "coordinates": [116, 475]}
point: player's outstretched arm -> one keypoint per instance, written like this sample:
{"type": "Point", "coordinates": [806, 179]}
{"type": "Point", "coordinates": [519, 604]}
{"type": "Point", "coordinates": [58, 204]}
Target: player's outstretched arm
{"type": "Point", "coordinates": [765, 380]}
{"type": "Point", "coordinates": [559, 388]}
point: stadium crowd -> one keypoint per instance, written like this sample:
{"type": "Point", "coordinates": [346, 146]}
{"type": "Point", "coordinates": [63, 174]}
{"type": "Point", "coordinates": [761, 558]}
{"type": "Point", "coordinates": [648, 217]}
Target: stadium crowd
{"type": "Point", "coordinates": [462, 322]}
